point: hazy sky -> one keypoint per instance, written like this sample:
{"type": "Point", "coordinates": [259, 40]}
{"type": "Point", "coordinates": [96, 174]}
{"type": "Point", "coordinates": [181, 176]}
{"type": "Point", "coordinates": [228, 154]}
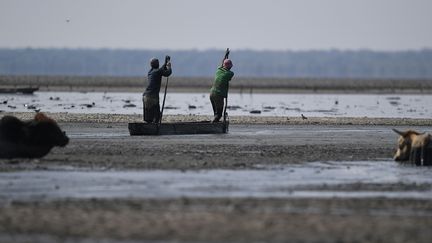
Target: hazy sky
{"type": "Point", "coordinates": [203, 24]}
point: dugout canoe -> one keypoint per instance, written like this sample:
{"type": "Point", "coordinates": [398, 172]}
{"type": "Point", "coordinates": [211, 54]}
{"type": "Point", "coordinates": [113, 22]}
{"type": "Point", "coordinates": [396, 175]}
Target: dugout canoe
{"type": "Point", "coordinates": [205, 127]}
{"type": "Point", "coordinates": [26, 90]}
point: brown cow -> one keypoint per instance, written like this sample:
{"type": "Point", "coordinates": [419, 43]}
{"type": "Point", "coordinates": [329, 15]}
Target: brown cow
{"type": "Point", "coordinates": [414, 147]}
{"type": "Point", "coordinates": [29, 139]}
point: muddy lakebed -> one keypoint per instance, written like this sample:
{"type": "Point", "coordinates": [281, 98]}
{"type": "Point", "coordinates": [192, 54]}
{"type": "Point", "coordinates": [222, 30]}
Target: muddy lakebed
{"type": "Point", "coordinates": [258, 183]}
{"type": "Point", "coordinates": [300, 182]}
{"type": "Point", "coordinates": [103, 161]}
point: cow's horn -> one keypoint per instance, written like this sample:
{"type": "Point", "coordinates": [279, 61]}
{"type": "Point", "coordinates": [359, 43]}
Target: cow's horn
{"type": "Point", "coordinates": [398, 132]}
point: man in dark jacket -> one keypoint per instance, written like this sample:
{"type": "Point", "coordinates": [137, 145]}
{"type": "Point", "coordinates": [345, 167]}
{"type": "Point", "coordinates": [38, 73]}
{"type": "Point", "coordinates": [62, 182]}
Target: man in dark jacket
{"type": "Point", "coordinates": [151, 94]}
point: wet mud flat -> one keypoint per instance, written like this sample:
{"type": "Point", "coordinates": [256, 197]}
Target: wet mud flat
{"type": "Point", "coordinates": [218, 220]}
{"type": "Point", "coordinates": [329, 203]}
{"type": "Point", "coordinates": [108, 146]}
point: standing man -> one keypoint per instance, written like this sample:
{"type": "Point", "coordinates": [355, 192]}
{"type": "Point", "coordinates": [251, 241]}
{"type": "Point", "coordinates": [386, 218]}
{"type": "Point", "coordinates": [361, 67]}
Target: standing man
{"type": "Point", "coordinates": [219, 90]}
{"type": "Point", "coordinates": [151, 94]}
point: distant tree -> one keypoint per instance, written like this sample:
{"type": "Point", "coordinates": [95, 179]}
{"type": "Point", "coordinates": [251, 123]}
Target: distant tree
{"type": "Point", "coordinates": [193, 63]}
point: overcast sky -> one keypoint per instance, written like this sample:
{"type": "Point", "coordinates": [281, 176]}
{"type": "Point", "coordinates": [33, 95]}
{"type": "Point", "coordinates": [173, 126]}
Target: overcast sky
{"type": "Point", "coordinates": [202, 24]}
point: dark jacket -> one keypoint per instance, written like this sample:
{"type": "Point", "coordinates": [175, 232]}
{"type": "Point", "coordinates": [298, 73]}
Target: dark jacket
{"type": "Point", "coordinates": [154, 79]}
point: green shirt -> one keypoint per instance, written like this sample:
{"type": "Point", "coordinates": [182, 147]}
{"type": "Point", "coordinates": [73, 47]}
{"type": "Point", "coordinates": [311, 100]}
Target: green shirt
{"type": "Point", "coordinates": [221, 82]}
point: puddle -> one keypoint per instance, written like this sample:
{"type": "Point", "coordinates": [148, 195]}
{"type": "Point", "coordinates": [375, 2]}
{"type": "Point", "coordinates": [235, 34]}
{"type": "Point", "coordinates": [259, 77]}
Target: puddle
{"type": "Point", "coordinates": [311, 180]}
{"type": "Point", "coordinates": [315, 105]}
{"type": "Point", "coordinates": [98, 134]}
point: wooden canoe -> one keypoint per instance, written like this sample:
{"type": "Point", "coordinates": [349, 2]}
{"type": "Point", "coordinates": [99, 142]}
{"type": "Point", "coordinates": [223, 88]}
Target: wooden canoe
{"type": "Point", "coordinates": [205, 127]}
{"type": "Point", "coordinates": [26, 90]}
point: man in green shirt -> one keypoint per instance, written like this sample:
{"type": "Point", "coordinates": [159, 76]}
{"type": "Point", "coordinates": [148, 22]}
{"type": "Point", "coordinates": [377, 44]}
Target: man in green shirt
{"type": "Point", "coordinates": [219, 90]}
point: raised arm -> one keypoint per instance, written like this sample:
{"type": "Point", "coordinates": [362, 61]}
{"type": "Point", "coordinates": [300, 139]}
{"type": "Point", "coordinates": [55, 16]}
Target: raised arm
{"type": "Point", "coordinates": [227, 52]}
{"type": "Point", "coordinates": [166, 68]}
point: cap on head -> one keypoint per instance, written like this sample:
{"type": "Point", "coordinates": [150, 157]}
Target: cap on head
{"type": "Point", "coordinates": [227, 64]}
{"type": "Point", "coordinates": [154, 63]}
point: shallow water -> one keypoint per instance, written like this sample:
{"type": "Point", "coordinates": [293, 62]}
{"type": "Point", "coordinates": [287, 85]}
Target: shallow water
{"type": "Point", "coordinates": [316, 105]}
{"type": "Point", "coordinates": [360, 179]}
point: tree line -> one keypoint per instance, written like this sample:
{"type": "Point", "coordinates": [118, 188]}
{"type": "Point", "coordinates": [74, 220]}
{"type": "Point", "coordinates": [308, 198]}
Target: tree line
{"type": "Point", "coordinates": [196, 63]}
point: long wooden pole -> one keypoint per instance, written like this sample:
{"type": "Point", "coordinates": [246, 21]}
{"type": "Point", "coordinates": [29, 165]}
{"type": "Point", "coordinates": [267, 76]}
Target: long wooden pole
{"type": "Point", "coordinates": [225, 108]}
{"type": "Point", "coordinates": [163, 103]}
{"type": "Point", "coordinates": [225, 113]}
{"type": "Point", "coordinates": [226, 98]}
{"type": "Point", "coordinates": [167, 59]}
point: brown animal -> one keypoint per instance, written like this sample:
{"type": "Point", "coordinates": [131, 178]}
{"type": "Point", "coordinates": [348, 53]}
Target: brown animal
{"type": "Point", "coordinates": [414, 147]}
{"type": "Point", "coordinates": [42, 117]}
{"type": "Point", "coordinates": [29, 139]}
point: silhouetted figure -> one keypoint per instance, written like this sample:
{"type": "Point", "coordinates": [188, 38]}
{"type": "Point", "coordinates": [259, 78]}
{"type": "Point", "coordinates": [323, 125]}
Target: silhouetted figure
{"type": "Point", "coordinates": [151, 107]}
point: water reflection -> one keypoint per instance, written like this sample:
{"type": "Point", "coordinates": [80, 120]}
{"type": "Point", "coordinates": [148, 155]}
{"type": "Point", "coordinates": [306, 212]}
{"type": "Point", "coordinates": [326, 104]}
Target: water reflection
{"type": "Point", "coordinates": [355, 179]}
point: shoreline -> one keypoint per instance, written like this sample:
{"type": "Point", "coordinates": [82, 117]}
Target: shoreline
{"type": "Point", "coordinates": [64, 117]}
{"type": "Point", "coordinates": [238, 84]}
{"type": "Point", "coordinates": [236, 89]}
